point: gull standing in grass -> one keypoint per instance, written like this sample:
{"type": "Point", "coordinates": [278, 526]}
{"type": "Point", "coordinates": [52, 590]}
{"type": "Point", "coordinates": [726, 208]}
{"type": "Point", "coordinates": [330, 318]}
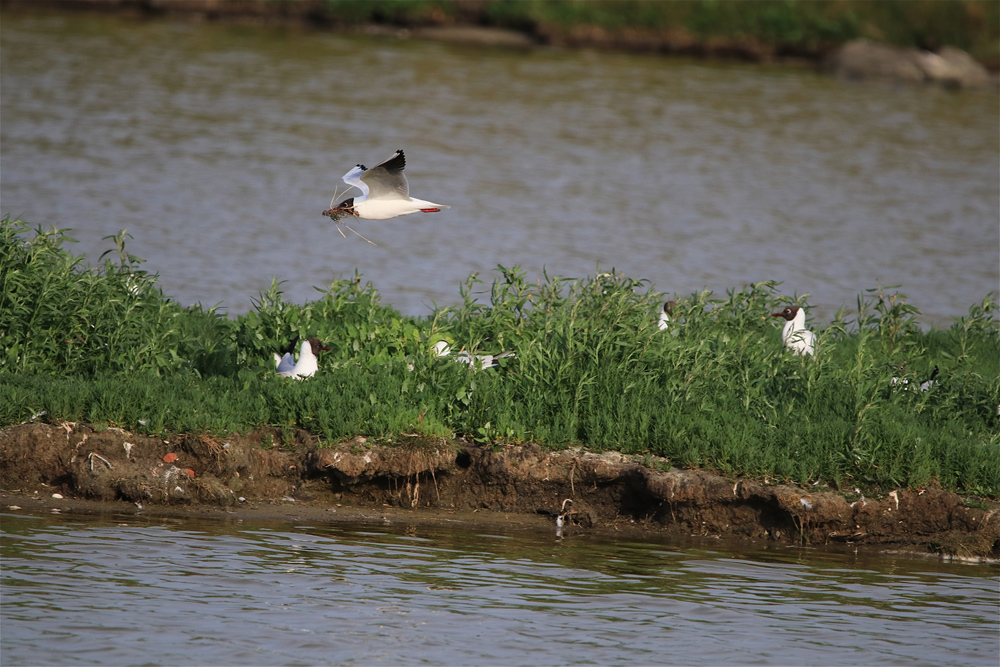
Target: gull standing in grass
{"type": "Point", "coordinates": [285, 361]}
{"type": "Point", "coordinates": [926, 385]}
{"type": "Point", "coordinates": [477, 362]}
{"type": "Point", "coordinates": [667, 314]}
{"type": "Point", "coordinates": [308, 363]}
{"type": "Point", "coordinates": [796, 337]}
{"type": "Point", "coordinates": [385, 193]}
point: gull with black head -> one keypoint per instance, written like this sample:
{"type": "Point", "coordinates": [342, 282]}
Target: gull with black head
{"type": "Point", "coordinates": [796, 337]}
{"type": "Point", "coordinates": [385, 193]}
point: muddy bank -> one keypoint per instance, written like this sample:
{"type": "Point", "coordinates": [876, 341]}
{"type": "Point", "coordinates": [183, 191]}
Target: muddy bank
{"type": "Point", "coordinates": [422, 475]}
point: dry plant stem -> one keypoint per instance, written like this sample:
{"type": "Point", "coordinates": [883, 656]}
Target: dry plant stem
{"type": "Point", "coordinates": [437, 492]}
{"type": "Point", "coordinates": [93, 456]}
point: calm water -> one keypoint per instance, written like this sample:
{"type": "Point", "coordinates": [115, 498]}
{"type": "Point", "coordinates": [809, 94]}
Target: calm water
{"type": "Point", "coordinates": [217, 147]}
{"type": "Point", "coordinates": [126, 590]}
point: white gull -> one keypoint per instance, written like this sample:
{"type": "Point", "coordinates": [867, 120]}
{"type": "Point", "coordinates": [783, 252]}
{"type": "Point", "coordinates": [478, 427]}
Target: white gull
{"type": "Point", "coordinates": [796, 337]}
{"type": "Point", "coordinates": [308, 363]}
{"type": "Point", "coordinates": [385, 193]}
{"type": "Point", "coordinates": [475, 361]}
{"type": "Point", "coordinates": [666, 314]}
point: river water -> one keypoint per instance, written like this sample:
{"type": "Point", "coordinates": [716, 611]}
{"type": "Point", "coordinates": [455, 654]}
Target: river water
{"type": "Point", "coordinates": [218, 147]}
{"type": "Point", "coordinates": [123, 589]}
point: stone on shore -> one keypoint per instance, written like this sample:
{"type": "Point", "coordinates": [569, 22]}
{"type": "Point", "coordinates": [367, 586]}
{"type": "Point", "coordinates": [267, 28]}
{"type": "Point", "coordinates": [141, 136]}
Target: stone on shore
{"type": "Point", "coordinates": [950, 67]}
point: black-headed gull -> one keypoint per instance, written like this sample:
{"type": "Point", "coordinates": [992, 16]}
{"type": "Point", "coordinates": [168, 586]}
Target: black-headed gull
{"type": "Point", "coordinates": [285, 361]}
{"type": "Point", "coordinates": [667, 314]}
{"type": "Point", "coordinates": [477, 362]}
{"type": "Point", "coordinates": [386, 194]}
{"type": "Point", "coordinates": [308, 364]}
{"type": "Point", "coordinates": [931, 381]}
{"type": "Point", "coordinates": [926, 385]}
{"type": "Point", "coordinates": [797, 338]}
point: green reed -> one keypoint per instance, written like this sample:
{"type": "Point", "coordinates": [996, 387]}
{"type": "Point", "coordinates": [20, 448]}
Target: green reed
{"type": "Point", "coordinates": [590, 368]}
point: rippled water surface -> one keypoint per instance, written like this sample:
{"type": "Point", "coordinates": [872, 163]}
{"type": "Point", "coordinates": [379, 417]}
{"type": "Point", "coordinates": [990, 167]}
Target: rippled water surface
{"type": "Point", "coordinates": [217, 147]}
{"type": "Point", "coordinates": [129, 590]}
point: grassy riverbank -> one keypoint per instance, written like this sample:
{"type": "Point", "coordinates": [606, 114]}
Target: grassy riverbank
{"type": "Point", "coordinates": [591, 368]}
{"type": "Point", "coordinates": [750, 29]}
{"type": "Point", "coordinates": [762, 27]}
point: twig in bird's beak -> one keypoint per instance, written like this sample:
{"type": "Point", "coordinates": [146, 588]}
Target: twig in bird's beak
{"type": "Point", "coordinates": [336, 195]}
{"type": "Point", "coordinates": [336, 216]}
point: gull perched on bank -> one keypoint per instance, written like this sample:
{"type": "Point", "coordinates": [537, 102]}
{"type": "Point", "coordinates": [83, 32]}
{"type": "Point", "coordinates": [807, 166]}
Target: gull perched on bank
{"type": "Point", "coordinates": [385, 193]}
{"type": "Point", "coordinates": [796, 337]}
{"type": "Point", "coordinates": [308, 362]}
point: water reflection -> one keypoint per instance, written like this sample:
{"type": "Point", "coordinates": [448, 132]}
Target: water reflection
{"type": "Point", "coordinates": [218, 147]}
{"type": "Point", "coordinates": [276, 593]}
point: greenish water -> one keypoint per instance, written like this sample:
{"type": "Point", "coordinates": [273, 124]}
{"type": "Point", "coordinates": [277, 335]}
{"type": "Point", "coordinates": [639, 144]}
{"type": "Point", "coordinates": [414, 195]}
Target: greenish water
{"type": "Point", "coordinates": [129, 590]}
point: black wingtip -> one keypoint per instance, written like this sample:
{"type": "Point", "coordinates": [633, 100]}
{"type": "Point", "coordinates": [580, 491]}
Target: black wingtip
{"type": "Point", "coordinates": [396, 163]}
{"type": "Point", "coordinates": [363, 167]}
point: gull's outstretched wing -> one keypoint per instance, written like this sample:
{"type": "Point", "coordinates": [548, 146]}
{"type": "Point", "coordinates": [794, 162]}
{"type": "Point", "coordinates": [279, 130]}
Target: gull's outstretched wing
{"type": "Point", "coordinates": [386, 180]}
{"type": "Point", "coordinates": [353, 178]}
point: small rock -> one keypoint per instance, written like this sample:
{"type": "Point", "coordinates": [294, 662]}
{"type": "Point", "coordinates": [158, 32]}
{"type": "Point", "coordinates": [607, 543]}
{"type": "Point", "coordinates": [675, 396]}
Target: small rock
{"type": "Point", "coordinates": [170, 458]}
{"type": "Point", "coordinates": [57, 496]}
{"type": "Point", "coordinates": [950, 67]}
{"type": "Point", "coordinates": [954, 68]}
{"type": "Point", "coordinates": [862, 59]}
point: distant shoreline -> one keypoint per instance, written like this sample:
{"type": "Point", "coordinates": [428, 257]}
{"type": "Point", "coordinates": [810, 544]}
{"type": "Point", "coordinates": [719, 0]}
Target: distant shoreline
{"type": "Point", "coordinates": [527, 25]}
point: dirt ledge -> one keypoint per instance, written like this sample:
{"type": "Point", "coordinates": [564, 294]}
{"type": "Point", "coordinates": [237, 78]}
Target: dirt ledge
{"type": "Point", "coordinates": [418, 475]}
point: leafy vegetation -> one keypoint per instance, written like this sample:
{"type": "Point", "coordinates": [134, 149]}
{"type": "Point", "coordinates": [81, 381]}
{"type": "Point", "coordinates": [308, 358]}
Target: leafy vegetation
{"type": "Point", "coordinates": [591, 368]}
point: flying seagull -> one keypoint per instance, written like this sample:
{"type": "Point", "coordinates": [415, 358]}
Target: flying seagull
{"type": "Point", "coordinates": [386, 193]}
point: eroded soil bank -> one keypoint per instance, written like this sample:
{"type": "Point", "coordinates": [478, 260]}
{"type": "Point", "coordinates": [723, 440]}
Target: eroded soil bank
{"type": "Point", "coordinates": [422, 475]}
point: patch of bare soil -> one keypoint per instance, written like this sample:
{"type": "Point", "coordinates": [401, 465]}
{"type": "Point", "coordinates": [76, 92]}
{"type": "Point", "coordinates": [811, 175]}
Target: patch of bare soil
{"type": "Point", "coordinates": [427, 475]}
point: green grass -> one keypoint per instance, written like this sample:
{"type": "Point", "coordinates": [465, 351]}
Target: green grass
{"type": "Point", "coordinates": [591, 369]}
